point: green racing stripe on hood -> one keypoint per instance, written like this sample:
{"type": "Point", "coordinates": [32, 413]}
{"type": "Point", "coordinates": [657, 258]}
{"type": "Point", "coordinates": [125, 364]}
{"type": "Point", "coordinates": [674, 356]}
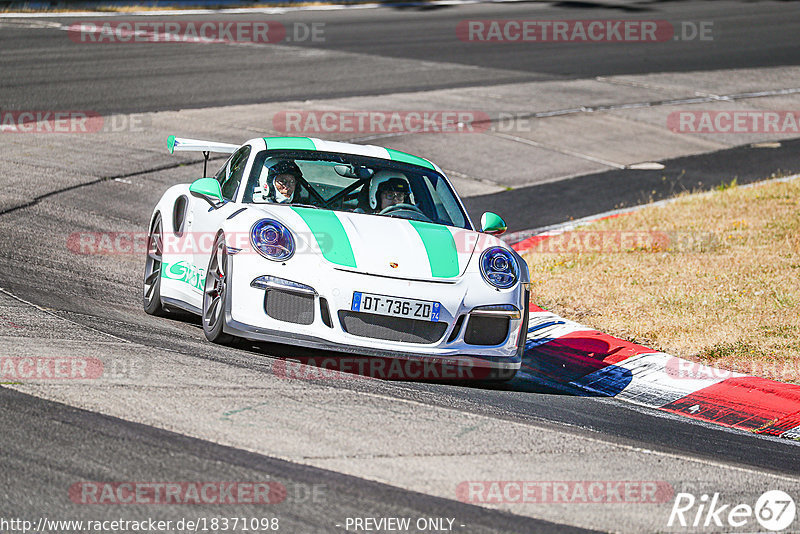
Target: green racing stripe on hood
{"type": "Point", "coordinates": [330, 235]}
{"type": "Point", "coordinates": [440, 247]}
{"type": "Point", "coordinates": [396, 155]}
{"type": "Point", "coordinates": [289, 143]}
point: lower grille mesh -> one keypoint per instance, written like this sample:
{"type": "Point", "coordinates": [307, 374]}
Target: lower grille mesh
{"type": "Point", "coordinates": [391, 328]}
{"type": "Point", "coordinates": [486, 330]}
{"type": "Point", "coordinates": [289, 307]}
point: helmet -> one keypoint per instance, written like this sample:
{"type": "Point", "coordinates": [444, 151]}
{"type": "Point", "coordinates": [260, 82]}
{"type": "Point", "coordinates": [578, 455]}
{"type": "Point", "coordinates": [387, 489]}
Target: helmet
{"type": "Point", "coordinates": [267, 179]}
{"type": "Point", "coordinates": [284, 166]}
{"type": "Point", "coordinates": [388, 181]}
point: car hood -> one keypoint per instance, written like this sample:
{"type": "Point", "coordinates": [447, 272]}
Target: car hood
{"type": "Point", "coordinates": [386, 246]}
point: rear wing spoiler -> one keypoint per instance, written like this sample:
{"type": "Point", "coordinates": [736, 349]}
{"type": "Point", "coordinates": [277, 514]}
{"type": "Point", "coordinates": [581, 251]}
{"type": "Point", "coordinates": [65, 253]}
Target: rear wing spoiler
{"type": "Point", "coordinates": [180, 144]}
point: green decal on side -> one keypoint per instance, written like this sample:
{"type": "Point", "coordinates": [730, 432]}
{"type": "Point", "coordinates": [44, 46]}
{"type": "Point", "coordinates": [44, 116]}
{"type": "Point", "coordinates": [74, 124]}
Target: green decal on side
{"type": "Point", "coordinates": [183, 271]}
{"type": "Point", "coordinates": [330, 235]}
{"type": "Point", "coordinates": [440, 247]}
{"type": "Point", "coordinates": [171, 144]}
{"type": "Point", "coordinates": [396, 155]}
{"type": "Point", "coordinates": [289, 143]}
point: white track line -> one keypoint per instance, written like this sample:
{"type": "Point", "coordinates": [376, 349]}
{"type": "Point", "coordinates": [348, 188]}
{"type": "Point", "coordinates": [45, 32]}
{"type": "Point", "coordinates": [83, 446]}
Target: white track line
{"type": "Point", "coordinates": [57, 316]}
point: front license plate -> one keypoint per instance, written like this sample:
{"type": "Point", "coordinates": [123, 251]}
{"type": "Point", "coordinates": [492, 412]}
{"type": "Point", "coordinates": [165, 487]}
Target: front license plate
{"type": "Point", "coordinates": [423, 310]}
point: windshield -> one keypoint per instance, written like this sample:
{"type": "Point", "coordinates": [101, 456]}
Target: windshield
{"type": "Point", "coordinates": [358, 184]}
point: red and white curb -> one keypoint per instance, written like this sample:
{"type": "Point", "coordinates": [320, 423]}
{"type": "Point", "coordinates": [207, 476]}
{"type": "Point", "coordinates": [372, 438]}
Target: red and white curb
{"type": "Point", "coordinates": [570, 356]}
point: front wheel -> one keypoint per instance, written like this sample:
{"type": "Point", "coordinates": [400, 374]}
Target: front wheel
{"type": "Point", "coordinates": [152, 270]}
{"type": "Point", "coordinates": [215, 294]}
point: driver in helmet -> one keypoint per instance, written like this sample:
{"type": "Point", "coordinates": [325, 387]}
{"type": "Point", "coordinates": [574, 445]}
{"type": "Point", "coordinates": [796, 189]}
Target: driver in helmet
{"type": "Point", "coordinates": [279, 183]}
{"type": "Point", "coordinates": [389, 188]}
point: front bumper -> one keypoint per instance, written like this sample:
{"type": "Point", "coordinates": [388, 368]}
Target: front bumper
{"type": "Point", "coordinates": [246, 315]}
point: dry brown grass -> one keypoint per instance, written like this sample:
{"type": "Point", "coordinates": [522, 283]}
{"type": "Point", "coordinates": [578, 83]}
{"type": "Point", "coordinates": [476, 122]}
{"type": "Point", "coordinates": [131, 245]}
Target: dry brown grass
{"type": "Point", "coordinates": [712, 277]}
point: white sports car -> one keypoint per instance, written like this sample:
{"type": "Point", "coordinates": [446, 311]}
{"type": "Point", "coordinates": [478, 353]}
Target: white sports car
{"type": "Point", "coordinates": [352, 248]}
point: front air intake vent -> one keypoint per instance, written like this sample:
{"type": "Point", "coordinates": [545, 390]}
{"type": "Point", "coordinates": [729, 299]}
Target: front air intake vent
{"type": "Point", "coordinates": [391, 328]}
{"type": "Point", "coordinates": [486, 331]}
{"type": "Point", "coordinates": [289, 307]}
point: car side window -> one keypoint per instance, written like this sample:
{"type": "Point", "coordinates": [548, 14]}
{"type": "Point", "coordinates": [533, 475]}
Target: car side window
{"type": "Point", "coordinates": [231, 173]}
{"type": "Point", "coordinates": [222, 173]}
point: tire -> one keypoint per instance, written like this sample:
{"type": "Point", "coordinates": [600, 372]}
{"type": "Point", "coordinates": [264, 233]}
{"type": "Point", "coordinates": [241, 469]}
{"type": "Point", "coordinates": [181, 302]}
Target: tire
{"type": "Point", "coordinates": [215, 291]}
{"type": "Point", "coordinates": [151, 286]}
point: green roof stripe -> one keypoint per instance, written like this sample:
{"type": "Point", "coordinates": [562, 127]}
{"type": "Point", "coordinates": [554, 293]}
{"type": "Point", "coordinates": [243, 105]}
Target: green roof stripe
{"type": "Point", "coordinates": [289, 143]}
{"type": "Point", "coordinates": [171, 144]}
{"type": "Point", "coordinates": [440, 247]}
{"type": "Point", "coordinates": [396, 155]}
{"type": "Point", "coordinates": [330, 235]}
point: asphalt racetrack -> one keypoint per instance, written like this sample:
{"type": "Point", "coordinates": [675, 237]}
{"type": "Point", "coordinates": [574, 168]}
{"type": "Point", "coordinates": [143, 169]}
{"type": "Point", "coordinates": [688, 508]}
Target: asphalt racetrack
{"type": "Point", "coordinates": [179, 409]}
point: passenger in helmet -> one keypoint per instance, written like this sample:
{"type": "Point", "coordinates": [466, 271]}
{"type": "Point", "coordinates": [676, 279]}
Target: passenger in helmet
{"type": "Point", "coordinates": [388, 188]}
{"type": "Point", "coordinates": [279, 183]}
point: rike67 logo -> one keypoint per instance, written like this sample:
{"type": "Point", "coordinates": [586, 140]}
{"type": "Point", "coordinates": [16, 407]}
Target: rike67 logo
{"type": "Point", "coordinates": [774, 510]}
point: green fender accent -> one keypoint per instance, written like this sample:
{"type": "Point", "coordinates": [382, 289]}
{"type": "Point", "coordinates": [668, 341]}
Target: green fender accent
{"type": "Point", "coordinates": [330, 235]}
{"type": "Point", "coordinates": [171, 144]}
{"type": "Point", "coordinates": [440, 247]}
{"type": "Point", "coordinates": [289, 143]}
{"type": "Point", "coordinates": [396, 155]}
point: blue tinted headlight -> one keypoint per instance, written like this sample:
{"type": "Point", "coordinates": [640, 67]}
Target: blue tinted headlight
{"type": "Point", "coordinates": [272, 240]}
{"type": "Point", "coordinates": [499, 267]}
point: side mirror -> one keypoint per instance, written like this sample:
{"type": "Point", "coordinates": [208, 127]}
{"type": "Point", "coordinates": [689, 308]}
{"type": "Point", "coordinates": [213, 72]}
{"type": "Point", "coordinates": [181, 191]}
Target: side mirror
{"type": "Point", "coordinates": [208, 189]}
{"type": "Point", "coordinates": [492, 224]}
